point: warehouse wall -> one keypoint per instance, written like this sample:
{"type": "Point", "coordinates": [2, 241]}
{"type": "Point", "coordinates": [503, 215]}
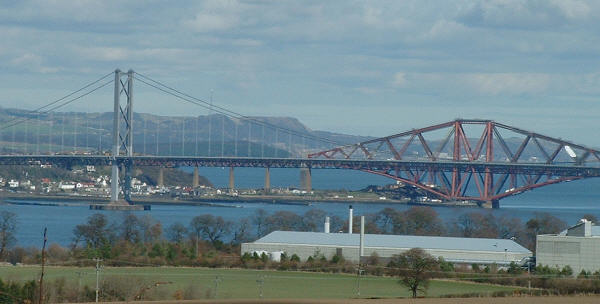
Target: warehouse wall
{"type": "Point", "coordinates": [577, 252]}
{"type": "Point", "coordinates": [351, 253]}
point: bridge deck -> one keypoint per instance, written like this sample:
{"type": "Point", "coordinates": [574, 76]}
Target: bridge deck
{"type": "Point", "coordinates": [178, 161]}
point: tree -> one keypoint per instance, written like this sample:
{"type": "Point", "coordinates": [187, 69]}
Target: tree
{"type": "Point", "coordinates": [313, 220]}
{"type": "Point", "coordinates": [414, 267]}
{"type": "Point", "coordinates": [370, 224]}
{"type": "Point", "coordinates": [94, 233]}
{"type": "Point", "coordinates": [476, 224]}
{"type": "Point", "coordinates": [242, 232]}
{"type": "Point", "coordinates": [151, 229]}
{"type": "Point", "coordinates": [336, 223]}
{"type": "Point", "coordinates": [259, 220]}
{"type": "Point", "coordinates": [387, 219]}
{"type": "Point", "coordinates": [543, 223]}
{"type": "Point", "coordinates": [423, 221]}
{"type": "Point", "coordinates": [8, 226]}
{"type": "Point", "coordinates": [129, 228]}
{"type": "Point", "coordinates": [210, 227]}
{"type": "Point", "coordinates": [284, 220]}
{"type": "Point", "coordinates": [176, 232]}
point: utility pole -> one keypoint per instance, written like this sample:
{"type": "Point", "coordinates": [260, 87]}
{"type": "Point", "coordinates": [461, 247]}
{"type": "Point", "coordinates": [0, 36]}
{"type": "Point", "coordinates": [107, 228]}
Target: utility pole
{"type": "Point", "coordinates": [261, 283]}
{"type": "Point", "coordinates": [217, 280]}
{"type": "Point", "coordinates": [97, 260]}
{"type": "Point", "coordinates": [79, 274]}
{"type": "Point", "coordinates": [41, 298]}
{"type": "Point", "coordinates": [359, 273]}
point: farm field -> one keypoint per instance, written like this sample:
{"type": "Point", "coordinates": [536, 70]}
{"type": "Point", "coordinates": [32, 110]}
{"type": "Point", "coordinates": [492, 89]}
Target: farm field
{"type": "Point", "coordinates": [243, 283]}
{"type": "Point", "coordinates": [507, 300]}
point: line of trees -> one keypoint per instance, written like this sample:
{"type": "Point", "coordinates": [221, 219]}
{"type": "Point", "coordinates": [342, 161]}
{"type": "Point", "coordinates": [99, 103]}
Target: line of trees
{"type": "Point", "coordinates": [100, 237]}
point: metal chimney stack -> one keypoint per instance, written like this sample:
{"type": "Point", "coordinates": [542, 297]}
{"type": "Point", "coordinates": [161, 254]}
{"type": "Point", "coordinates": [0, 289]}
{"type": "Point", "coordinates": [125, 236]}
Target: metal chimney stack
{"type": "Point", "coordinates": [326, 228]}
{"type": "Point", "coordinates": [361, 249]}
{"type": "Point", "coordinates": [350, 220]}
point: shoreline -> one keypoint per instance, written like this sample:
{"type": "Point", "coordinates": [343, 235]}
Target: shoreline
{"type": "Point", "coordinates": [221, 201]}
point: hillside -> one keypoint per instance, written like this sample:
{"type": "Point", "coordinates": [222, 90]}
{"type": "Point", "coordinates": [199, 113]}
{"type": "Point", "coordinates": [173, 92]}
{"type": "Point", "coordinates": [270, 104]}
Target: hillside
{"type": "Point", "coordinates": [207, 135]}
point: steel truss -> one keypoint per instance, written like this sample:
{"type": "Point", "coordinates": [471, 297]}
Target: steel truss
{"type": "Point", "coordinates": [481, 171]}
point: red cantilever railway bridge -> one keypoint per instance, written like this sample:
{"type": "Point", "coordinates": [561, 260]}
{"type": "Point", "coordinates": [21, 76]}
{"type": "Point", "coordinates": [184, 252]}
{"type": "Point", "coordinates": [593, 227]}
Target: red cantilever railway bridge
{"type": "Point", "coordinates": [479, 160]}
{"type": "Point", "coordinates": [501, 162]}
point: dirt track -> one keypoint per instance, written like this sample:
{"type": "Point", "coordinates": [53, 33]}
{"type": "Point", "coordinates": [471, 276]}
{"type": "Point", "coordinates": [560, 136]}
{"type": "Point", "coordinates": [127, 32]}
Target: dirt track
{"type": "Point", "coordinates": [507, 300]}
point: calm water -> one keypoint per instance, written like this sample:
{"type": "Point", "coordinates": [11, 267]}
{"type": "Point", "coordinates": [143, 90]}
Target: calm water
{"type": "Point", "coordinates": [567, 201]}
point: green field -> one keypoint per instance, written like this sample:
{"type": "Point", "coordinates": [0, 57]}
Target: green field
{"type": "Point", "coordinates": [242, 283]}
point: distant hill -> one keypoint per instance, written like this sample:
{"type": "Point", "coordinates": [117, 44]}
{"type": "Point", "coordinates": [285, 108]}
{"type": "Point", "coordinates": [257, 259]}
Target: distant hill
{"type": "Point", "coordinates": [208, 135]}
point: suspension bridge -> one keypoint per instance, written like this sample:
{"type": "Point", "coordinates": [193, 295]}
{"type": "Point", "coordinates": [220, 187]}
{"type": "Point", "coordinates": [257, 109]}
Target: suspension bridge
{"type": "Point", "coordinates": [474, 160]}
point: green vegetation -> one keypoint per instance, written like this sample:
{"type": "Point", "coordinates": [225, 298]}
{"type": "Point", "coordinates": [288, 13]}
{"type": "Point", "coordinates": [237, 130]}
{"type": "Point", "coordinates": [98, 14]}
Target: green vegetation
{"type": "Point", "coordinates": [242, 283]}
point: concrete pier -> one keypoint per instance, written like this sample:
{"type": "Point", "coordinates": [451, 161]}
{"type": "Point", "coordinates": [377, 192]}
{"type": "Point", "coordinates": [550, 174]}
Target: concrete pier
{"type": "Point", "coordinates": [493, 204]}
{"type": "Point", "coordinates": [267, 180]}
{"type": "Point", "coordinates": [305, 179]}
{"type": "Point", "coordinates": [231, 179]}
{"type": "Point", "coordinates": [195, 178]}
{"type": "Point", "coordinates": [161, 177]}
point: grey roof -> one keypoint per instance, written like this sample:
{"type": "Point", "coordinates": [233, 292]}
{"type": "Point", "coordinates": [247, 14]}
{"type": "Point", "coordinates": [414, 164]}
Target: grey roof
{"type": "Point", "coordinates": [393, 241]}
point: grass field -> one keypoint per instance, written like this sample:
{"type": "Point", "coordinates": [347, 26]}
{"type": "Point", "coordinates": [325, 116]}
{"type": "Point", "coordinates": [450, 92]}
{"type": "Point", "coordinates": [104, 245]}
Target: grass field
{"type": "Point", "coordinates": [242, 283]}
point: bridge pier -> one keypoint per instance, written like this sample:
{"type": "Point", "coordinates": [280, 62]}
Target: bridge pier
{"type": "Point", "coordinates": [114, 183]}
{"type": "Point", "coordinates": [491, 204]}
{"type": "Point", "coordinates": [195, 178]}
{"type": "Point", "coordinates": [231, 179]}
{"type": "Point", "coordinates": [306, 179]}
{"type": "Point", "coordinates": [267, 180]}
{"type": "Point", "coordinates": [160, 181]}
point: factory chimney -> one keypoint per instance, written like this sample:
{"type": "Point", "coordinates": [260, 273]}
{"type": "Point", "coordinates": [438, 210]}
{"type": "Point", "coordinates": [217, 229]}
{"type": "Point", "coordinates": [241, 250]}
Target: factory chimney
{"type": "Point", "coordinates": [326, 228]}
{"type": "Point", "coordinates": [350, 220]}
{"type": "Point", "coordinates": [361, 250]}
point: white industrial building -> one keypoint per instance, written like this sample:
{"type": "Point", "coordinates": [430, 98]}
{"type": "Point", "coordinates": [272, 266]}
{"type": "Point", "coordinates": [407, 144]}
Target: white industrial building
{"type": "Point", "coordinates": [577, 247]}
{"type": "Point", "coordinates": [452, 249]}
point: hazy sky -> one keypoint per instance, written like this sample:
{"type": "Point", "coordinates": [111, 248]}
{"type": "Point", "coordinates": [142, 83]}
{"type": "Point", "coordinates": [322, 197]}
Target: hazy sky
{"type": "Point", "coordinates": [362, 67]}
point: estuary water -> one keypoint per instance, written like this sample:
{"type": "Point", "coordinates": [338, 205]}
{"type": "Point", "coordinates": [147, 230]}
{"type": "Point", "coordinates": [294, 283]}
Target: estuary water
{"type": "Point", "coordinates": [567, 201]}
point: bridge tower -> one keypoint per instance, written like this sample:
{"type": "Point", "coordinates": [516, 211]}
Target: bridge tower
{"type": "Point", "coordinates": [122, 134]}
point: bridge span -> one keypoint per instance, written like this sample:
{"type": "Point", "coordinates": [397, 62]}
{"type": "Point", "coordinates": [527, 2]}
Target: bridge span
{"type": "Point", "coordinates": [464, 159]}
{"type": "Point", "coordinates": [425, 173]}
{"type": "Point", "coordinates": [312, 163]}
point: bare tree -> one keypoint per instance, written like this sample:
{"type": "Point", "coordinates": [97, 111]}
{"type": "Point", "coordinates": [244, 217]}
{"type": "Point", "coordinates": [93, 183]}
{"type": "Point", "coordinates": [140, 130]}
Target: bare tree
{"type": "Point", "coordinates": [176, 232]}
{"type": "Point", "coordinates": [423, 221]}
{"type": "Point", "coordinates": [313, 220]}
{"type": "Point", "coordinates": [284, 221]}
{"type": "Point", "coordinates": [386, 219]}
{"type": "Point", "coordinates": [129, 228]}
{"type": "Point", "coordinates": [414, 267]}
{"type": "Point", "coordinates": [259, 221]}
{"type": "Point", "coordinates": [150, 228]}
{"type": "Point", "coordinates": [210, 227]}
{"type": "Point", "coordinates": [8, 227]}
{"type": "Point", "coordinates": [242, 232]}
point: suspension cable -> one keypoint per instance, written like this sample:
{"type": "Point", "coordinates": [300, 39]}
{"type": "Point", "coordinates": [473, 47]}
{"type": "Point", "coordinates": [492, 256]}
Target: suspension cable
{"type": "Point", "coordinates": [17, 121]}
{"type": "Point", "coordinates": [224, 111]}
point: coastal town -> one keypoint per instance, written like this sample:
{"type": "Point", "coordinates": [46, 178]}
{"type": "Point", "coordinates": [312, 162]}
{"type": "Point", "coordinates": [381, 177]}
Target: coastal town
{"type": "Point", "coordinates": [92, 182]}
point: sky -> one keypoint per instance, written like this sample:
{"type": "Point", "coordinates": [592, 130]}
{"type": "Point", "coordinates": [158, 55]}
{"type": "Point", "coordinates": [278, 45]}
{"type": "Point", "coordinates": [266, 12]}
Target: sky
{"type": "Point", "coordinates": [360, 67]}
